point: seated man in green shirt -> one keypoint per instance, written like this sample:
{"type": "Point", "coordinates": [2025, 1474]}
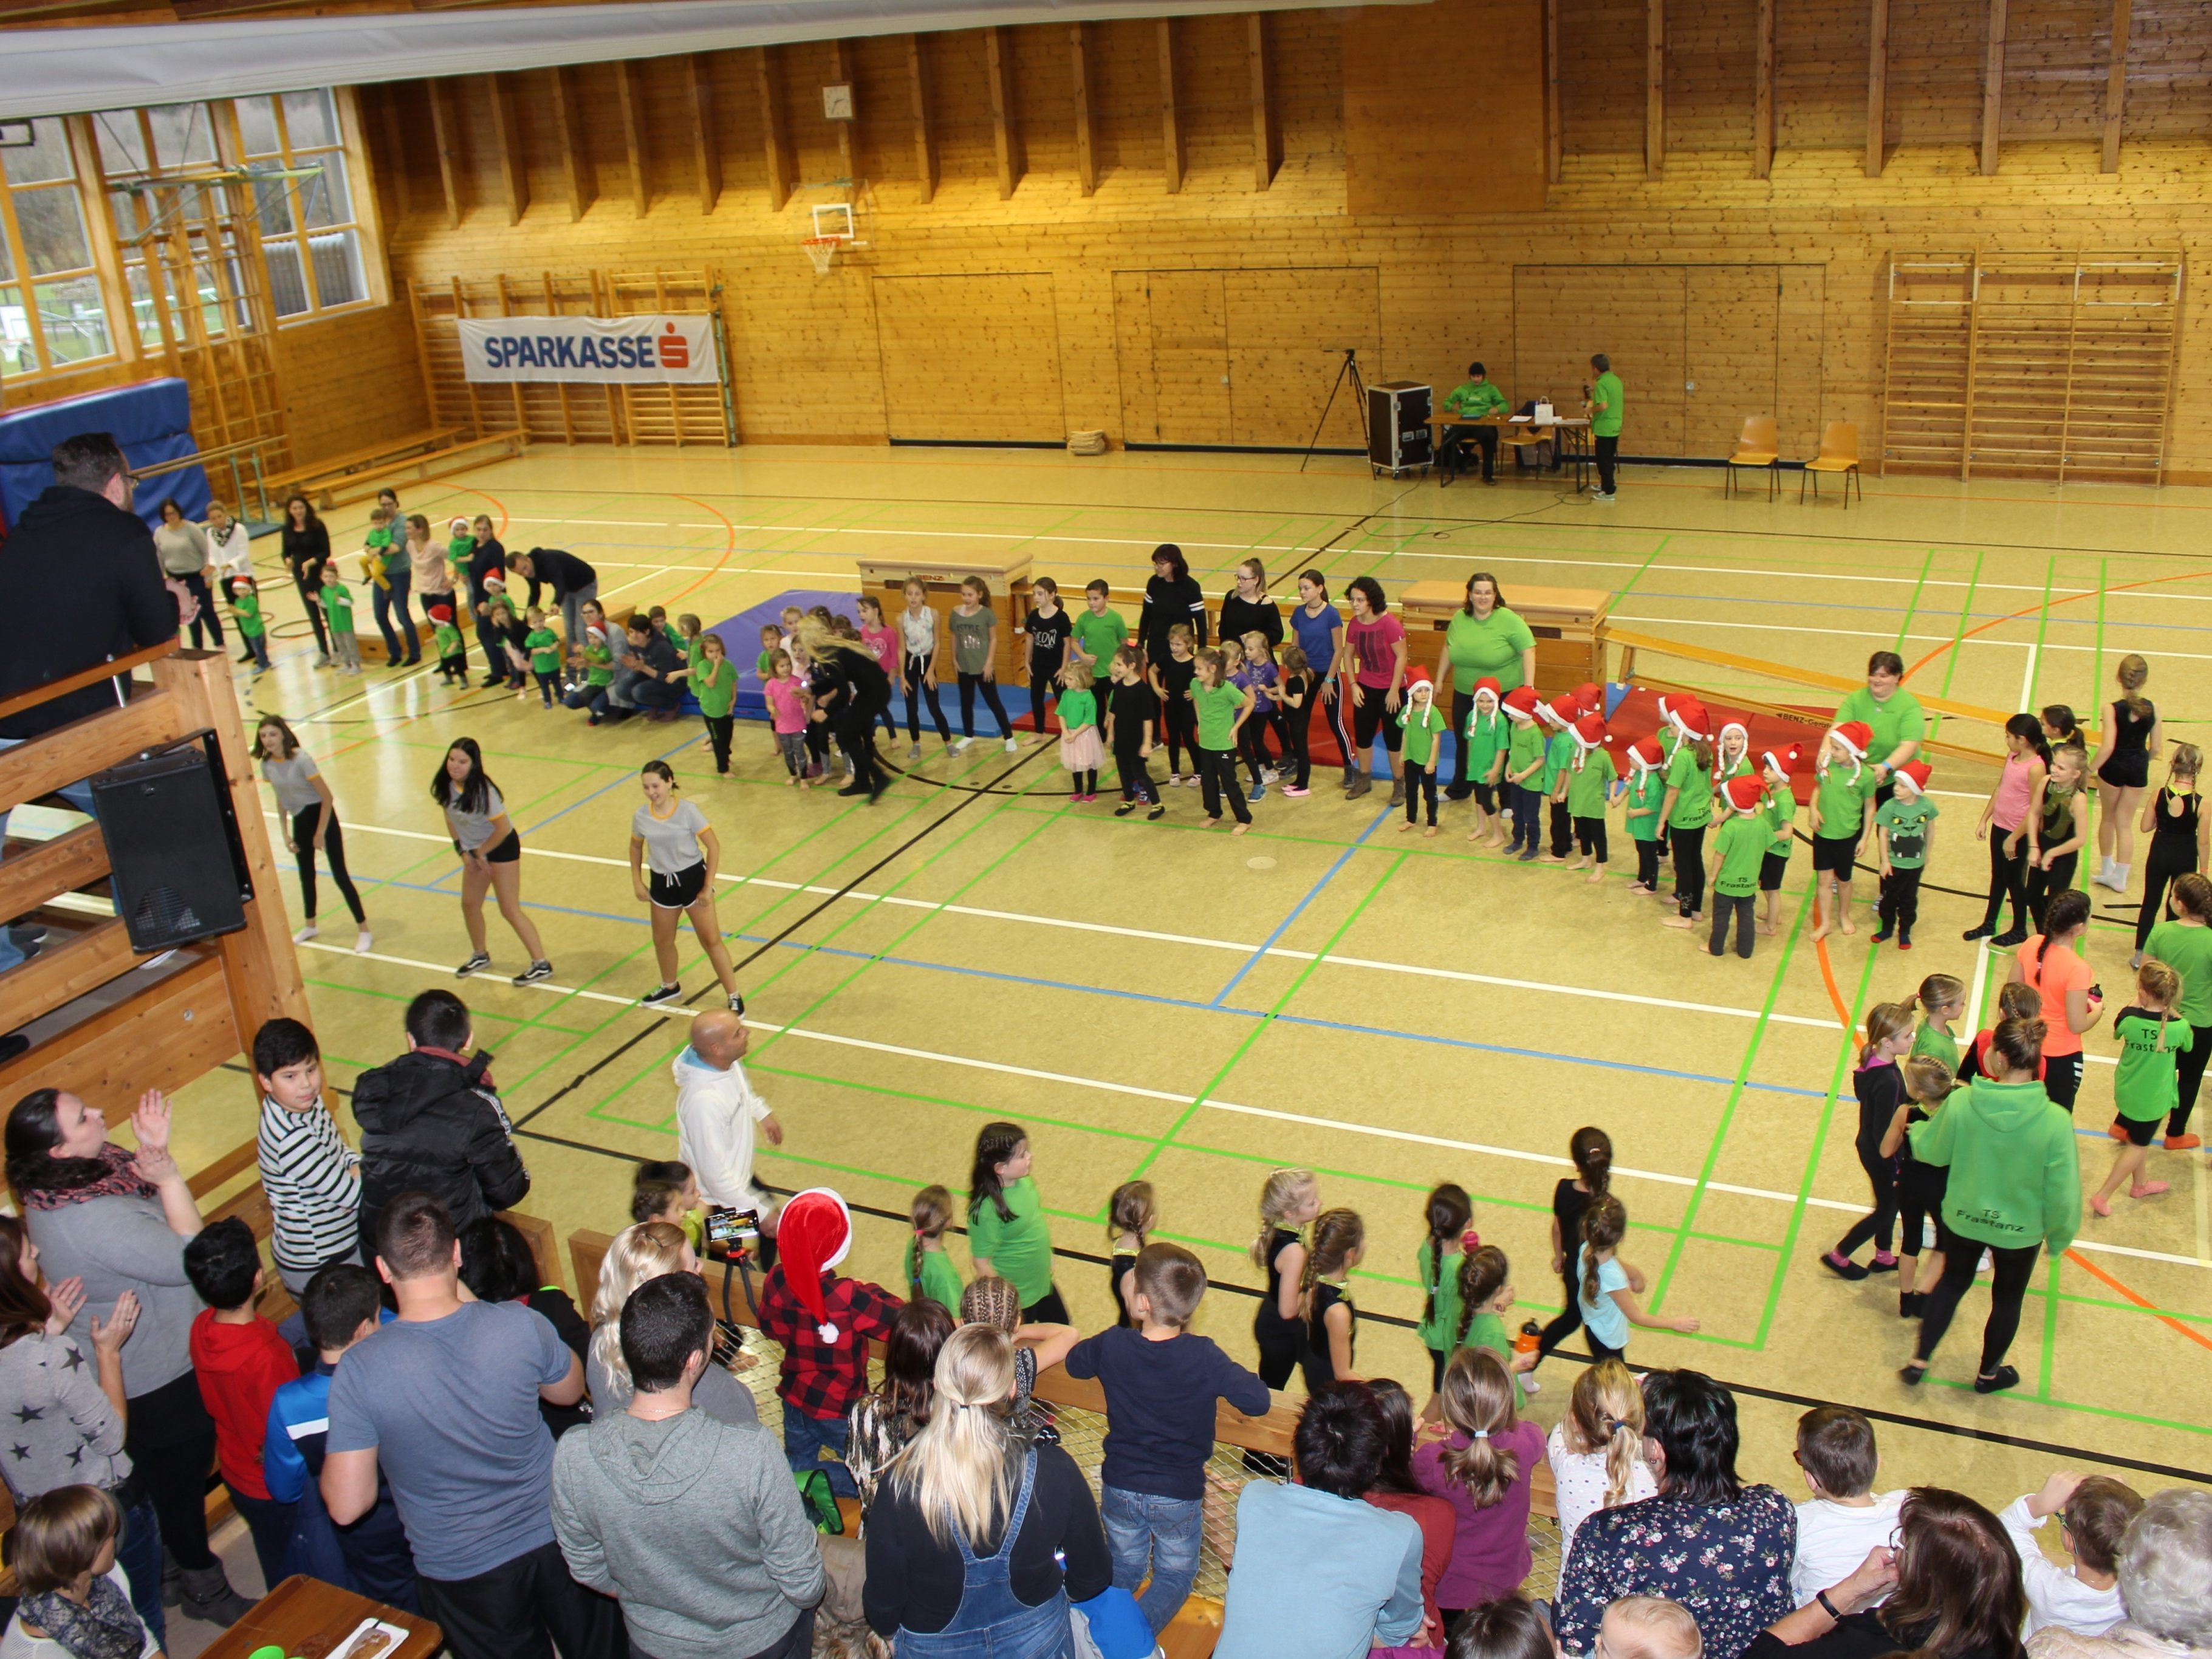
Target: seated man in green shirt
{"type": "Point", "coordinates": [1474, 399]}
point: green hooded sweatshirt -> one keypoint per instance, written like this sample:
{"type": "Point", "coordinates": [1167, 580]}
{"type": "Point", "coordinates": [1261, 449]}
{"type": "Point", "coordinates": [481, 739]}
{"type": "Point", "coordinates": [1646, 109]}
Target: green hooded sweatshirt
{"type": "Point", "coordinates": [2015, 1172]}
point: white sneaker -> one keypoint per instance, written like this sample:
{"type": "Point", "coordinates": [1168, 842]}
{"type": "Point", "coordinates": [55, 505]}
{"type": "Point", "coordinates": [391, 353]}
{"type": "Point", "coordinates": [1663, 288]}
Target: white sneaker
{"type": "Point", "coordinates": [306, 934]}
{"type": "Point", "coordinates": [1529, 1384]}
{"type": "Point", "coordinates": [960, 745]}
{"type": "Point", "coordinates": [915, 753]}
{"type": "Point", "coordinates": [362, 940]}
{"type": "Point", "coordinates": [1269, 774]}
{"type": "Point", "coordinates": [1013, 745]}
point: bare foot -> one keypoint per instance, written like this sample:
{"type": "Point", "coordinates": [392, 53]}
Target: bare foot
{"type": "Point", "coordinates": [1821, 931]}
{"type": "Point", "coordinates": [1240, 830]}
{"type": "Point", "coordinates": [1430, 830]}
{"type": "Point", "coordinates": [1477, 836]}
{"type": "Point", "coordinates": [1213, 824]}
{"type": "Point", "coordinates": [1846, 923]}
{"type": "Point", "coordinates": [1547, 858]}
{"type": "Point", "coordinates": [1404, 827]}
{"type": "Point", "coordinates": [1680, 921]}
{"type": "Point", "coordinates": [1770, 928]}
{"type": "Point", "coordinates": [1597, 876]}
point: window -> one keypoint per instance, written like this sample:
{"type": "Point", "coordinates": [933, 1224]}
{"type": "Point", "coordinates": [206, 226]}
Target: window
{"type": "Point", "coordinates": [52, 314]}
{"type": "Point", "coordinates": [179, 248]}
{"type": "Point", "coordinates": [304, 201]}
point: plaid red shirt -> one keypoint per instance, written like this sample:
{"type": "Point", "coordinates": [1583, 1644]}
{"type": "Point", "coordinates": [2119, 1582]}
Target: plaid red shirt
{"type": "Point", "coordinates": [822, 1379]}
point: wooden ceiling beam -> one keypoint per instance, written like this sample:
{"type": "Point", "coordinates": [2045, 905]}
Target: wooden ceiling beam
{"type": "Point", "coordinates": [577, 179]}
{"type": "Point", "coordinates": [1877, 83]}
{"type": "Point", "coordinates": [773, 136]}
{"type": "Point", "coordinates": [1266, 128]}
{"type": "Point", "coordinates": [1993, 86]}
{"type": "Point", "coordinates": [513, 168]}
{"type": "Point", "coordinates": [925, 152]}
{"type": "Point", "coordinates": [2116, 85]}
{"type": "Point", "coordinates": [1006, 138]}
{"type": "Point", "coordinates": [1086, 157]}
{"type": "Point", "coordinates": [1170, 121]}
{"type": "Point", "coordinates": [706, 140]}
{"type": "Point", "coordinates": [1555, 135]}
{"type": "Point", "coordinates": [1762, 93]}
{"type": "Point", "coordinates": [629, 107]}
{"type": "Point", "coordinates": [442, 134]}
{"type": "Point", "coordinates": [841, 75]}
{"type": "Point", "coordinates": [1655, 88]}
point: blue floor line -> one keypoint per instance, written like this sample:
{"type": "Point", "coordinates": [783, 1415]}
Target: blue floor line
{"type": "Point", "coordinates": [690, 740]}
{"type": "Point", "coordinates": [1299, 909]}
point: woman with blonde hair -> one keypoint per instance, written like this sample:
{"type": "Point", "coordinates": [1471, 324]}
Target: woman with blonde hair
{"type": "Point", "coordinates": [858, 694]}
{"type": "Point", "coordinates": [978, 1540]}
{"type": "Point", "coordinates": [646, 1251]}
{"type": "Point", "coordinates": [1289, 1201]}
{"type": "Point", "coordinates": [1596, 1453]}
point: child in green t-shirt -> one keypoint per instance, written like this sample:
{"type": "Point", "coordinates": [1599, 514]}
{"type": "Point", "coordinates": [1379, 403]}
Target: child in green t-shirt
{"type": "Point", "coordinates": [246, 610]}
{"type": "Point", "coordinates": [1646, 794]}
{"type": "Point", "coordinates": [2146, 1087]}
{"type": "Point", "coordinates": [930, 1274]}
{"type": "Point", "coordinates": [1560, 715]}
{"type": "Point", "coordinates": [1485, 1297]}
{"type": "Point", "coordinates": [453, 658]}
{"type": "Point", "coordinates": [599, 660]}
{"type": "Point", "coordinates": [1841, 798]}
{"type": "Point", "coordinates": [1777, 767]}
{"type": "Point", "coordinates": [1688, 807]}
{"type": "Point", "coordinates": [1487, 736]}
{"type": "Point", "coordinates": [338, 621]}
{"type": "Point", "coordinates": [1738, 850]}
{"type": "Point", "coordinates": [1221, 709]}
{"type": "Point", "coordinates": [1525, 759]}
{"type": "Point", "coordinates": [715, 686]}
{"type": "Point", "coordinates": [1589, 783]}
{"type": "Point", "coordinates": [1424, 726]}
{"type": "Point", "coordinates": [1905, 835]}
{"type": "Point", "coordinates": [1082, 751]}
{"type": "Point", "coordinates": [543, 646]}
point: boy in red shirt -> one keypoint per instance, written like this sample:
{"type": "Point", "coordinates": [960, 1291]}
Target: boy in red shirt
{"type": "Point", "coordinates": [241, 1362]}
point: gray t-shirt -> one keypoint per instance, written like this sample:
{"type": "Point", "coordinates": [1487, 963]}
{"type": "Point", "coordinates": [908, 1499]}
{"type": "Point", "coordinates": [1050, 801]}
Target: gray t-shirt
{"type": "Point", "coordinates": [183, 549]}
{"type": "Point", "coordinates": [115, 1244]}
{"type": "Point", "coordinates": [294, 793]}
{"type": "Point", "coordinates": [473, 829]}
{"type": "Point", "coordinates": [971, 639]}
{"type": "Point", "coordinates": [716, 1393]}
{"type": "Point", "coordinates": [671, 844]}
{"type": "Point", "coordinates": [450, 1406]}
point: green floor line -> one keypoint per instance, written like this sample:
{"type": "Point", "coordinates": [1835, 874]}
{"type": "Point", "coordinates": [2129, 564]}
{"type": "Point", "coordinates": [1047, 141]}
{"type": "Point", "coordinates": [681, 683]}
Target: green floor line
{"type": "Point", "coordinates": [1958, 639]}
{"type": "Point", "coordinates": [2111, 1412]}
{"type": "Point", "coordinates": [1912, 604]}
{"type": "Point", "coordinates": [2049, 1356]}
{"type": "Point", "coordinates": [1636, 576]}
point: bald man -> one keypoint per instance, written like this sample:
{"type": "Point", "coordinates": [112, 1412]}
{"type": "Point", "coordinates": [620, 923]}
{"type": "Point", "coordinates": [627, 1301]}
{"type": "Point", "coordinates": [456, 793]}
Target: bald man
{"type": "Point", "coordinates": [716, 1110]}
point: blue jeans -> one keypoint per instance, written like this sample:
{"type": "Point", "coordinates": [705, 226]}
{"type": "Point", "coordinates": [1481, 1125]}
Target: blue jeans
{"type": "Point", "coordinates": [383, 602]}
{"type": "Point", "coordinates": [139, 1552]}
{"type": "Point", "coordinates": [79, 795]}
{"type": "Point", "coordinates": [806, 1438]}
{"type": "Point", "coordinates": [1160, 1533]}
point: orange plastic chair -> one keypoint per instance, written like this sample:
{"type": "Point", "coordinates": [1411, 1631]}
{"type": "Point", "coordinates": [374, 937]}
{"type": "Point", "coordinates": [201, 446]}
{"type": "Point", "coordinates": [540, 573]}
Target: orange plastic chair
{"type": "Point", "coordinates": [1757, 446]}
{"type": "Point", "coordinates": [1839, 453]}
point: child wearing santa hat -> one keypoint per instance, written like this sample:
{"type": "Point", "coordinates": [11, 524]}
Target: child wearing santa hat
{"type": "Point", "coordinates": [452, 655]}
{"type": "Point", "coordinates": [1779, 767]}
{"type": "Point", "coordinates": [1487, 735]}
{"type": "Point", "coordinates": [1689, 804]}
{"type": "Point", "coordinates": [1560, 714]}
{"type": "Point", "coordinates": [599, 660]}
{"type": "Point", "coordinates": [1589, 782]}
{"type": "Point", "coordinates": [1738, 851]}
{"type": "Point", "coordinates": [825, 1323]}
{"type": "Point", "coordinates": [1425, 727]}
{"type": "Point", "coordinates": [1647, 797]}
{"type": "Point", "coordinates": [1525, 759]}
{"type": "Point", "coordinates": [1905, 835]}
{"type": "Point", "coordinates": [1843, 801]}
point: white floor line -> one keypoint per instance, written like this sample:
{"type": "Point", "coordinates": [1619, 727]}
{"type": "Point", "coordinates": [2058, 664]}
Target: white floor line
{"type": "Point", "coordinates": [1170, 1098]}
{"type": "Point", "coordinates": [2028, 676]}
{"type": "Point", "coordinates": [1883, 634]}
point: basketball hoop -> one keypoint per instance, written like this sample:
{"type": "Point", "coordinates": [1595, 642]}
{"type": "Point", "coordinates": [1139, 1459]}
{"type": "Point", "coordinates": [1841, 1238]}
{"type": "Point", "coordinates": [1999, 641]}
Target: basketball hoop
{"type": "Point", "coordinates": [821, 250]}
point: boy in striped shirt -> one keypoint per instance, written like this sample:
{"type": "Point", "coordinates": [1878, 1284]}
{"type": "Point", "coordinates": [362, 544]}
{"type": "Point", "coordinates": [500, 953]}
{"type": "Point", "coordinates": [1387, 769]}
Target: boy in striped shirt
{"type": "Point", "coordinates": [312, 1177]}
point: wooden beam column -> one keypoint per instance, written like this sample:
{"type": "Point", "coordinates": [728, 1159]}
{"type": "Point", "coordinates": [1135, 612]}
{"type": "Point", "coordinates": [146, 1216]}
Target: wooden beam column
{"type": "Point", "coordinates": [1993, 87]}
{"type": "Point", "coordinates": [925, 152]}
{"type": "Point", "coordinates": [395, 147]}
{"type": "Point", "coordinates": [441, 134]}
{"type": "Point", "coordinates": [772, 130]}
{"type": "Point", "coordinates": [1762, 93]}
{"type": "Point", "coordinates": [630, 105]}
{"type": "Point", "coordinates": [841, 75]}
{"type": "Point", "coordinates": [1005, 140]}
{"type": "Point", "coordinates": [2115, 86]}
{"type": "Point", "coordinates": [1655, 88]}
{"type": "Point", "coordinates": [1171, 124]}
{"type": "Point", "coordinates": [1555, 135]}
{"type": "Point", "coordinates": [1086, 156]}
{"type": "Point", "coordinates": [1877, 83]}
{"type": "Point", "coordinates": [1266, 131]}
{"type": "Point", "coordinates": [706, 140]}
{"type": "Point", "coordinates": [576, 176]}
{"type": "Point", "coordinates": [514, 169]}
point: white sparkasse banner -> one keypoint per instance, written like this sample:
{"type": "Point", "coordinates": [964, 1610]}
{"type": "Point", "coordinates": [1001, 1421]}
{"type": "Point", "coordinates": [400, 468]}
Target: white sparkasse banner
{"type": "Point", "coordinates": [608, 350]}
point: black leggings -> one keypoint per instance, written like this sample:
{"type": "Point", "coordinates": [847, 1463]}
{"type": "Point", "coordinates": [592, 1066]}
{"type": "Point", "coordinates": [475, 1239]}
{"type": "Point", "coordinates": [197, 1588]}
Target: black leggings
{"type": "Point", "coordinates": [856, 736]}
{"type": "Point", "coordinates": [171, 1440]}
{"type": "Point", "coordinates": [718, 727]}
{"type": "Point", "coordinates": [1882, 1172]}
{"type": "Point", "coordinates": [1589, 837]}
{"type": "Point", "coordinates": [1291, 726]}
{"type": "Point", "coordinates": [1647, 862]}
{"type": "Point", "coordinates": [2062, 1079]}
{"type": "Point", "coordinates": [1569, 1321]}
{"type": "Point", "coordinates": [2007, 879]}
{"type": "Point", "coordinates": [1689, 869]}
{"type": "Point", "coordinates": [2007, 1291]}
{"type": "Point", "coordinates": [918, 681]}
{"type": "Point", "coordinates": [1181, 719]}
{"type": "Point", "coordinates": [1280, 1357]}
{"type": "Point", "coordinates": [969, 684]}
{"type": "Point", "coordinates": [2169, 857]}
{"type": "Point", "coordinates": [314, 611]}
{"type": "Point", "coordinates": [1136, 776]}
{"type": "Point", "coordinates": [1331, 707]}
{"type": "Point", "coordinates": [2189, 1068]}
{"type": "Point", "coordinates": [1043, 684]}
{"type": "Point", "coordinates": [211, 619]}
{"type": "Point", "coordinates": [1563, 829]}
{"type": "Point", "coordinates": [303, 837]}
{"type": "Point", "coordinates": [2043, 883]}
{"type": "Point", "coordinates": [1898, 907]}
{"type": "Point", "coordinates": [1420, 781]}
{"type": "Point", "coordinates": [1369, 718]}
{"type": "Point", "coordinates": [1217, 775]}
{"type": "Point", "coordinates": [1252, 744]}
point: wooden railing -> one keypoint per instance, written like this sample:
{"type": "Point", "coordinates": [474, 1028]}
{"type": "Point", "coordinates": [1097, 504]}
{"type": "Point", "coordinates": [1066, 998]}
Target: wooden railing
{"type": "Point", "coordinates": [167, 1032]}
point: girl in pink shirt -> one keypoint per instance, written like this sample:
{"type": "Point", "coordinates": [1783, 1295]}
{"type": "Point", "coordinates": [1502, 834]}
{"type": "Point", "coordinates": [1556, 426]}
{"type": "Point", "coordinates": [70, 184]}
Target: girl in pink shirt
{"type": "Point", "coordinates": [787, 707]}
{"type": "Point", "coordinates": [883, 643]}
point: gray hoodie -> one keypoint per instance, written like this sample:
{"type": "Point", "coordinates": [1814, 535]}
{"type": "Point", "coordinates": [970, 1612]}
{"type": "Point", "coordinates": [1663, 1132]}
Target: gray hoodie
{"type": "Point", "coordinates": [693, 1524]}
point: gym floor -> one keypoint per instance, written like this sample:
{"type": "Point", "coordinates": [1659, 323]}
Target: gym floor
{"type": "Point", "coordinates": [1153, 1000]}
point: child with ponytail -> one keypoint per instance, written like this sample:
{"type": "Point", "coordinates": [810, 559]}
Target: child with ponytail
{"type": "Point", "coordinates": [1590, 1150]}
{"type": "Point", "coordinates": [1596, 1453]}
{"type": "Point", "coordinates": [930, 1274]}
{"type": "Point", "coordinates": [2122, 768]}
{"type": "Point", "coordinates": [1485, 1297]}
{"type": "Point", "coordinates": [1289, 1200]}
{"type": "Point", "coordinates": [2185, 945]}
{"type": "Point", "coordinates": [1131, 1214]}
{"type": "Point", "coordinates": [2014, 1002]}
{"type": "Point", "coordinates": [1483, 1470]}
{"type": "Point", "coordinates": [1439, 1262]}
{"type": "Point", "coordinates": [1843, 799]}
{"type": "Point", "coordinates": [2145, 1088]}
{"type": "Point", "coordinates": [2051, 961]}
{"type": "Point", "coordinates": [1008, 1237]}
{"type": "Point", "coordinates": [1606, 1288]}
{"type": "Point", "coordinates": [1928, 1085]}
{"type": "Point", "coordinates": [2014, 799]}
{"type": "Point", "coordinates": [1339, 1239]}
{"type": "Point", "coordinates": [2180, 832]}
{"type": "Point", "coordinates": [1880, 1087]}
{"type": "Point", "coordinates": [1941, 998]}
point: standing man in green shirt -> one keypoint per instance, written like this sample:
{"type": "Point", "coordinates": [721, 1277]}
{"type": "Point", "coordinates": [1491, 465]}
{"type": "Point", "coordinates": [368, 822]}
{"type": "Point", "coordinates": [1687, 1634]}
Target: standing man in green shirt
{"type": "Point", "coordinates": [1604, 407]}
{"type": "Point", "coordinates": [1474, 399]}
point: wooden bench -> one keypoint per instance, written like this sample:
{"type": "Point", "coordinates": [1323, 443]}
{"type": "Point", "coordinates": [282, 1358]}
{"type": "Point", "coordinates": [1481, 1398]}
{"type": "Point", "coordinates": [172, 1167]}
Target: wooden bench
{"type": "Point", "coordinates": [418, 459]}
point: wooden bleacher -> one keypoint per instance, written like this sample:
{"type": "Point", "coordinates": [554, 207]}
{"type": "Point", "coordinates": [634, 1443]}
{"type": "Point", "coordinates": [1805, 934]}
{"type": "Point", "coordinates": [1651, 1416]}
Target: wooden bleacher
{"type": "Point", "coordinates": [437, 452]}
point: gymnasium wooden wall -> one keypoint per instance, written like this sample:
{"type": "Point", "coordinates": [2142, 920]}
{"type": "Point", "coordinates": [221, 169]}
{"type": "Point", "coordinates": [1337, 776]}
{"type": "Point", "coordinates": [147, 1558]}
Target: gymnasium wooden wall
{"type": "Point", "coordinates": [1139, 259]}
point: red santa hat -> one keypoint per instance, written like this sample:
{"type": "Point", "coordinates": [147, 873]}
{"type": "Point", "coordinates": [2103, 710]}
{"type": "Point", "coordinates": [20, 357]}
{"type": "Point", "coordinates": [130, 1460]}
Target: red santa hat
{"type": "Point", "coordinates": [1646, 756]}
{"type": "Point", "coordinates": [460, 526]}
{"type": "Point", "coordinates": [595, 632]}
{"type": "Point", "coordinates": [1687, 715]}
{"type": "Point", "coordinates": [1785, 762]}
{"type": "Point", "coordinates": [1487, 683]}
{"type": "Point", "coordinates": [811, 1237]}
{"type": "Point", "coordinates": [1589, 733]}
{"type": "Point", "coordinates": [1520, 703]}
{"type": "Point", "coordinates": [1855, 736]}
{"type": "Point", "coordinates": [1564, 711]}
{"type": "Point", "coordinates": [1419, 675]}
{"type": "Point", "coordinates": [1744, 793]}
{"type": "Point", "coordinates": [1914, 773]}
{"type": "Point", "coordinates": [1590, 698]}
{"type": "Point", "coordinates": [441, 613]}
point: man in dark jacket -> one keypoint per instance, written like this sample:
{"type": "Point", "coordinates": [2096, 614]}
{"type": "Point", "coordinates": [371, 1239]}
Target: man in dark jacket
{"type": "Point", "coordinates": [431, 1122]}
{"type": "Point", "coordinates": [572, 580]}
{"type": "Point", "coordinates": [90, 561]}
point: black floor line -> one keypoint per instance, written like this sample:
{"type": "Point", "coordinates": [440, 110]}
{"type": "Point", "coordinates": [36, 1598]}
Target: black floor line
{"type": "Point", "coordinates": [1780, 1396]}
{"type": "Point", "coordinates": [766, 945]}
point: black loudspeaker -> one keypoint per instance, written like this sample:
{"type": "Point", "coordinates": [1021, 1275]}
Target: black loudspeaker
{"type": "Point", "coordinates": [174, 850]}
{"type": "Point", "coordinates": [1398, 427]}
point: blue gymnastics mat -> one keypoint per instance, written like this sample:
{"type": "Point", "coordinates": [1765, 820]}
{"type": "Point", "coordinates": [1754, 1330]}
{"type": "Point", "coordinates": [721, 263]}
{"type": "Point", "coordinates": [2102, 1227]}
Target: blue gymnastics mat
{"type": "Point", "coordinates": [741, 638]}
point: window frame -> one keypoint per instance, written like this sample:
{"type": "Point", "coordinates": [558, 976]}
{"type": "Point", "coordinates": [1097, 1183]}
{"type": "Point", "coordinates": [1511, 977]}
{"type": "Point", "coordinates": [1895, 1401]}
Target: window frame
{"type": "Point", "coordinates": [94, 224]}
{"type": "Point", "coordinates": [360, 195]}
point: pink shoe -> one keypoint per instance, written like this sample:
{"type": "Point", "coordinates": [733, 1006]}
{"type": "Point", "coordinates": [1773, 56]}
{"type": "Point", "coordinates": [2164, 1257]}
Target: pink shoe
{"type": "Point", "coordinates": [1295, 793]}
{"type": "Point", "coordinates": [2148, 1189]}
{"type": "Point", "coordinates": [2102, 1208]}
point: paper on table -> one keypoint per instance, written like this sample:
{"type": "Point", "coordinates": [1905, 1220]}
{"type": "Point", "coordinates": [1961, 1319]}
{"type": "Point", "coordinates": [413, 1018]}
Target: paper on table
{"type": "Point", "coordinates": [363, 1640]}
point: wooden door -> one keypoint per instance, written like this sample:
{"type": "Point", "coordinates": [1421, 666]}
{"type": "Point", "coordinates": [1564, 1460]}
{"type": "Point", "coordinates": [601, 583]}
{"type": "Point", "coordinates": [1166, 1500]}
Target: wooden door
{"type": "Point", "coordinates": [1635, 314]}
{"type": "Point", "coordinates": [1733, 320]}
{"type": "Point", "coordinates": [1287, 329]}
{"type": "Point", "coordinates": [1189, 331]}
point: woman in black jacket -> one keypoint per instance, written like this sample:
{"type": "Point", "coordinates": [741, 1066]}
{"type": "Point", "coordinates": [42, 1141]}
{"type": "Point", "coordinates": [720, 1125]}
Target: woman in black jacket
{"type": "Point", "coordinates": [1248, 610]}
{"type": "Point", "coordinates": [1172, 596]}
{"type": "Point", "coordinates": [859, 692]}
{"type": "Point", "coordinates": [307, 549]}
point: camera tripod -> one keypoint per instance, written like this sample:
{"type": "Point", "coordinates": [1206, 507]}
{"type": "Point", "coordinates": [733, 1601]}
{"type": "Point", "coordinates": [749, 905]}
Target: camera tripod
{"type": "Point", "coordinates": [1350, 367]}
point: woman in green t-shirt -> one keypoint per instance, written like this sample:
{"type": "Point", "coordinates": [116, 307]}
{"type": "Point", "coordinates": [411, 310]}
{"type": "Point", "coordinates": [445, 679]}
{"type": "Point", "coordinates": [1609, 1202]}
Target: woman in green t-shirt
{"type": "Point", "coordinates": [1484, 641]}
{"type": "Point", "coordinates": [1603, 405]}
{"type": "Point", "coordinates": [1892, 713]}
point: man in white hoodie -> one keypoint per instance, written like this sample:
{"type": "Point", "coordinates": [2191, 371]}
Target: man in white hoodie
{"type": "Point", "coordinates": [716, 1111]}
